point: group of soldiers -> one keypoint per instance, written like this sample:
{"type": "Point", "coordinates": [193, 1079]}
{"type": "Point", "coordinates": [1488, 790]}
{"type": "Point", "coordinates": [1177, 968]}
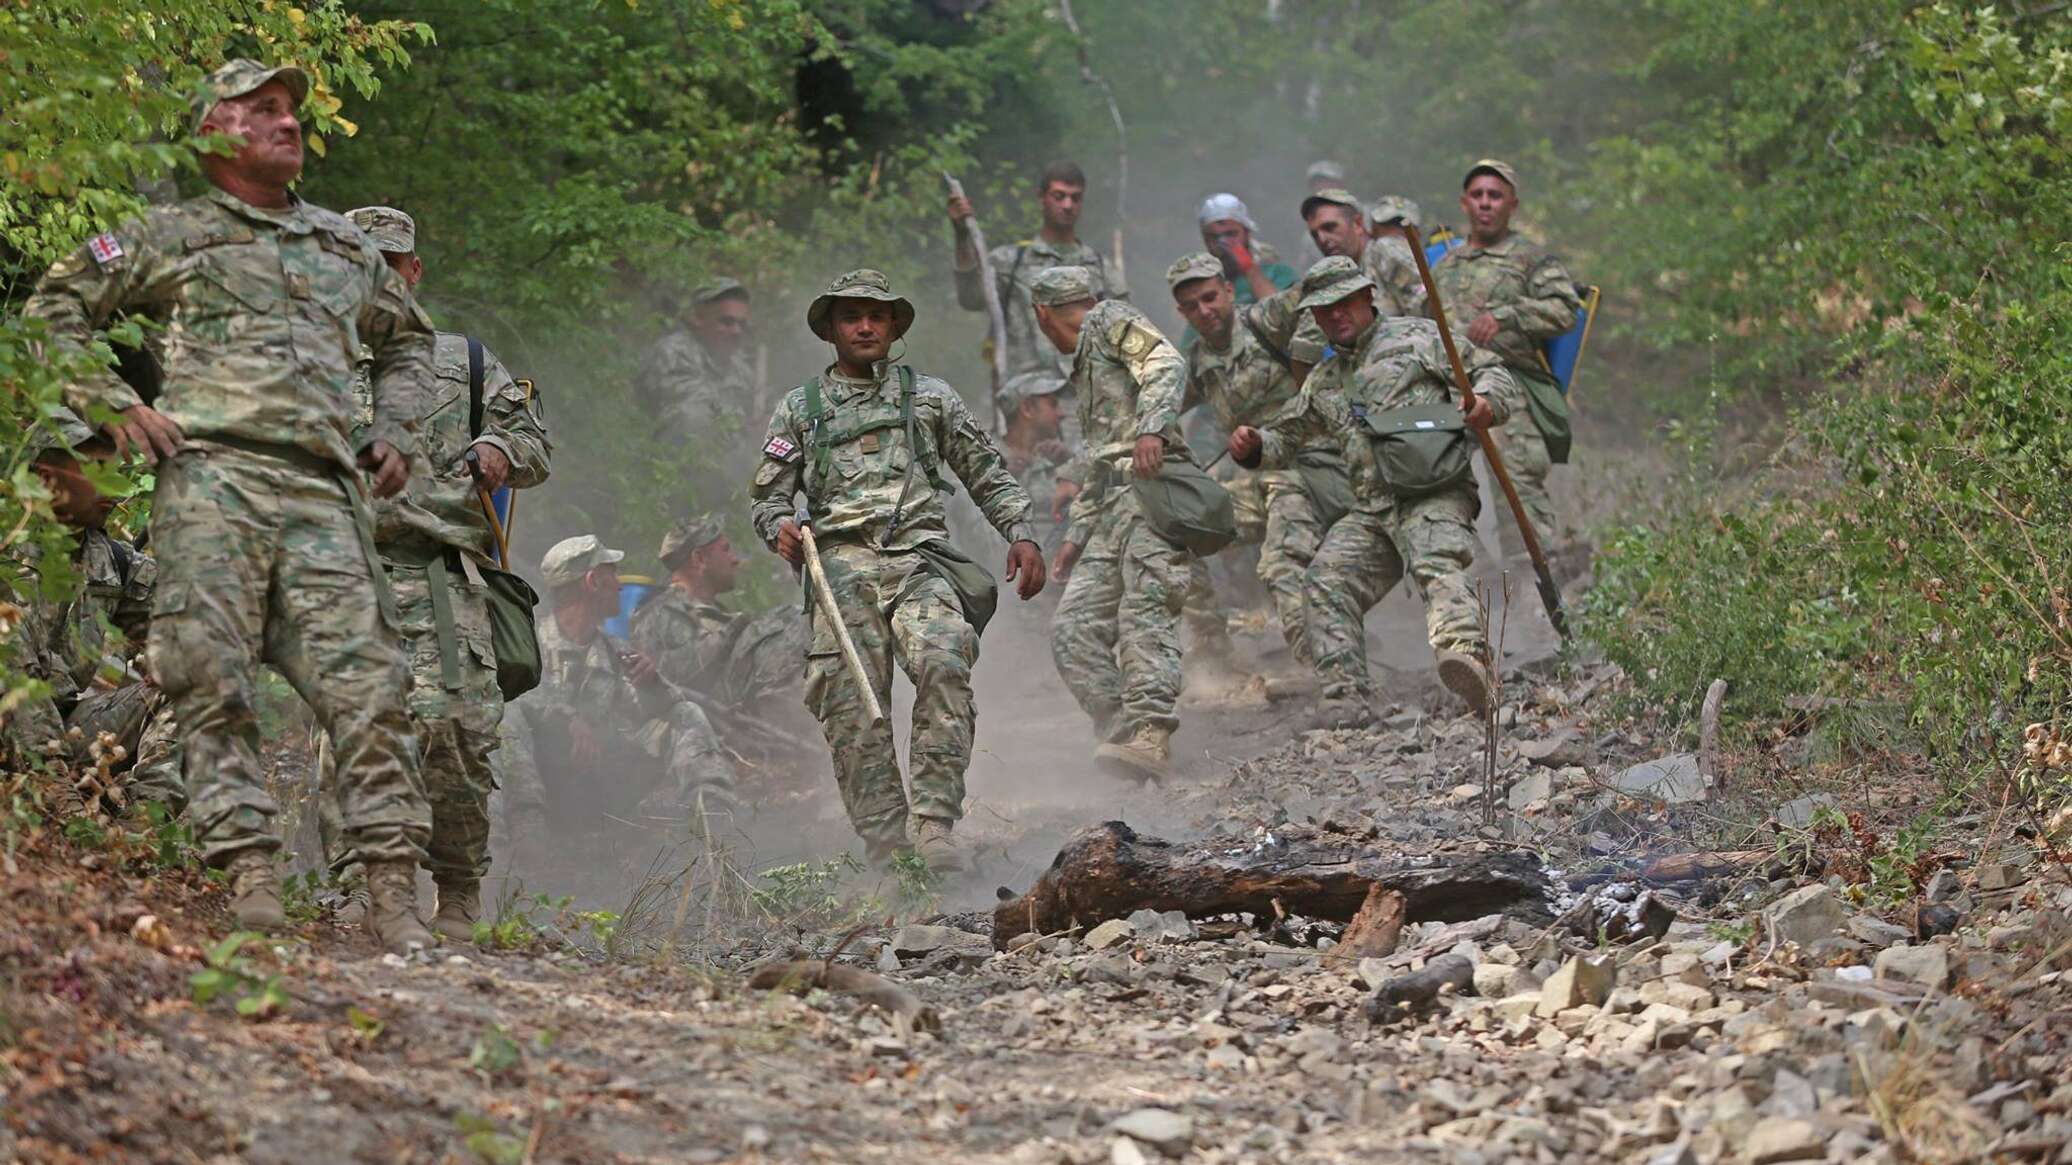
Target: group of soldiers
{"type": "Point", "coordinates": [326, 459]}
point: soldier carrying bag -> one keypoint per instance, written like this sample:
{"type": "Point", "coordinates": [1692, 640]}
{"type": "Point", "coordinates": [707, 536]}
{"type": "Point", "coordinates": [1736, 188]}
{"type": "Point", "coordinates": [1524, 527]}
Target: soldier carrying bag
{"type": "Point", "coordinates": [1185, 506]}
{"type": "Point", "coordinates": [1420, 449]}
{"type": "Point", "coordinates": [512, 633]}
{"type": "Point", "coordinates": [1324, 476]}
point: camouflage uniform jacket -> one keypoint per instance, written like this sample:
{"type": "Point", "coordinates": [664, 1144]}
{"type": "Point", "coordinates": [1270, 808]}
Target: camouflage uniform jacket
{"type": "Point", "coordinates": [587, 682]}
{"type": "Point", "coordinates": [1243, 384]}
{"type": "Point", "coordinates": [1131, 382]}
{"type": "Point", "coordinates": [687, 391]}
{"type": "Point", "coordinates": [439, 506]}
{"type": "Point", "coordinates": [691, 642]}
{"type": "Point", "coordinates": [1521, 284]}
{"type": "Point", "coordinates": [1398, 289]}
{"type": "Point", "coordinates": [1039, 470]}
{"type": "Point", "coordinates": [868, 462]}
{"type": "Point", "coordinates": [1015, 268]}
{"type": "Point", "coordinates": [1398, 362]}
{"type": "Point", "coordinates": [69, 640]}
{"type": "Point", "coordinates": [265, 313]}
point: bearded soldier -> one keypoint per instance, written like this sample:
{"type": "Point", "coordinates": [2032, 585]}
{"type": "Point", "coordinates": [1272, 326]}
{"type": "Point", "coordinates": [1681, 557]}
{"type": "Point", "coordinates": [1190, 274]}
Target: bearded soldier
{"type": "Point", "coordinates": [865, 442]}
{"type": "Point", "coordinates": [259, 521]}
{"type": "Point", "coordinates": [1414, 501]}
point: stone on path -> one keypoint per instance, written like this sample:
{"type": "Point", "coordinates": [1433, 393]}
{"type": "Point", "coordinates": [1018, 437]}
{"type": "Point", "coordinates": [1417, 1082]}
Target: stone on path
{"type": "Point", "coordinates": [1783, 1138]}
{"type": "Point", "coordinates": [1580, 982]}
{"type": "Point", "coordinates": [1109, 933]}
{"type": "Point", "coordinates": [1805, 916]}
{"type": "Point", "coordinates": [1672, 779]}
{"type": "Point", "coordinates": [1928, 965]}
{"type": "Point", "coordinates": [1162, 1129]}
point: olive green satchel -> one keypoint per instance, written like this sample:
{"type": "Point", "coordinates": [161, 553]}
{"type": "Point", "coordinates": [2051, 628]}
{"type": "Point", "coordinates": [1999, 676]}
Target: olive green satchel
{"type": "Point", "coordinates": [1421, 449]}
{"type": "Point", "coordinates": [1328, 484]}
{"type": "Point", "coordinates": [1185, 506]}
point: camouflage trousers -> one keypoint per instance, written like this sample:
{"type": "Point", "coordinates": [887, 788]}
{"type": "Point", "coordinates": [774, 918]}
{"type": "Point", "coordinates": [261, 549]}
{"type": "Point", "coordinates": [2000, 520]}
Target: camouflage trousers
{"type": "Point", "coordinates": [1526, 460]}
{"type": "Point", "coordinates": [1293, 534]}
{"type": "Point", "coordinates": [456, 718]}
{"type": "Point", "coordinates": [1116, 638]}
{"type": "Point", "coordinates": [140, 718]}
{"type": "Point", "coordinates": [895, 608]}
{"type": "Point", "coordinates": [1362, 559]}
{"type": "Point", "coordinates": [261, 559]}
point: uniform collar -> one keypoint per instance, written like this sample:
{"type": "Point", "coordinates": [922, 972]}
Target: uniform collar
{"type": "Point", "coordinates": [841, 388]}
{"type": "Point", "coordinates": [292, 218]}
{"type": "Point", "coordinates": [1367, 337]}
{"type": "Point", "coordinates": [1502, 246]}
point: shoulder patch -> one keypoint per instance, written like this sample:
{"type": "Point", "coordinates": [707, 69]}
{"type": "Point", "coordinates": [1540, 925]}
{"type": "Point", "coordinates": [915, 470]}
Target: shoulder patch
{"type": "Point", "coordinates": [105, 248]}
{"type": "Point", "coordinates": [780, 449]}
{"type": "Point", "coordinates": [1136, 339]}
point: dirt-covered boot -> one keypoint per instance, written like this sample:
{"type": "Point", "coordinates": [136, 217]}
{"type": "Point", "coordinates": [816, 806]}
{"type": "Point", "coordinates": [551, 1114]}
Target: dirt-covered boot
{"type": "Point", "coordinates": [460, 905]}
{"type": "Point", "coordinates": [935, 844]}
{"type": "Point", "coordinates": [1465, 677]}
{"type": "Point", "coordinates": [392, 908]}
{"type": "Point", "coordinates": [255, 891]}
{"type": "Point", "coordinates": [1146, 756]}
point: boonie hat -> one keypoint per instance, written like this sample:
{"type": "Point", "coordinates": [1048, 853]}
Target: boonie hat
{"type": "Point", "coordinates": [860, 284]}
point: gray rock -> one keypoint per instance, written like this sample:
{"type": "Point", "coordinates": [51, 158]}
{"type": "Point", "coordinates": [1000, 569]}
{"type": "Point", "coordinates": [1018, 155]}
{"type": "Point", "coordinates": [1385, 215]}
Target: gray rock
{"type": "Point", "coordinates": [1162, 1129]}
{"type": "Point", "coordinates": [1672, 779]}
{"type": "Point", "coordinates": [1784, 1138]}
{"type": "Point", "coordinates": [1580, 982]}
{"type": "Point", "coordinates": [1497, 980]}
{"type": "Point", "coordinates": [1172, 926]}
{"type": "Point", "coordinates": [1942, 886]}
{"type": "Point", "coordinates": [1927, 965]}
{"type": "Point", "coordinates": [923, 940]}
{"type": "Point", "coordinates": [1531, 789]}
{"type": "Point", "coordinates": [1999, 876]}
{"type": "Point", "coordinates": [1799, 814]}
{"type": "Point", "coordinates": [1557, 751]}
{"type": "Point", "coordinates": [1109, 933]}
{"type": "Point", "coordinates": [1790, 1095]}
{"type": "Point", "coordinates": [1877, 932]}
{"type": "Point", "coordinates": [1678, 1153]}
{"type": "Point", "coordinates": [1805, 916]}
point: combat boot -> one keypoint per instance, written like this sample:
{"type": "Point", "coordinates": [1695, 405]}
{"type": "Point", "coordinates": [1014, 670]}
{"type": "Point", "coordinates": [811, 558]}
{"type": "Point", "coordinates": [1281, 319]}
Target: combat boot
{"type": "Point", "coordinates": [459, 906]}
{"type": "Point", "coordinates": [1146, 756]}
{"type": "Point", "coordinates": [255, 891]}
{"type": "Point", "coordinates": [935, 844]}
{"type": "Point", "coordinates": [392, 908]}
{"type": "Point", "coordinates": [1465, 677]}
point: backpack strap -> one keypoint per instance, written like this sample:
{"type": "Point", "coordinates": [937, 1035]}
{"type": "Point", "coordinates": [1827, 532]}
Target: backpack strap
{"type": "Point", "coordinates": [475, 408]}
{"type": "Point", "coordinates": [1259, 334]}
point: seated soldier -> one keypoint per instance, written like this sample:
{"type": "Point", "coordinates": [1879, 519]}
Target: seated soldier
{"type": "Point", "coordinates": [610, 736]}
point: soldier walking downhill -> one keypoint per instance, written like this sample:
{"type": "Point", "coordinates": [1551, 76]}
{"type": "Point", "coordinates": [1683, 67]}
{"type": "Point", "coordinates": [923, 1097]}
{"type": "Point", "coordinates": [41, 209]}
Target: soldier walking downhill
{"type": "Point", "coordinates": [263, 535]}
{"type": "Point", "coordinates": [865, 443]}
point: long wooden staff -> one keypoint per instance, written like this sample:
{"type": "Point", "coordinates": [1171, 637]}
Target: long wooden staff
{"type": "Point", "coordinates": [1550, 595]}
{"type": "Point", "coordinates": [996, 317]}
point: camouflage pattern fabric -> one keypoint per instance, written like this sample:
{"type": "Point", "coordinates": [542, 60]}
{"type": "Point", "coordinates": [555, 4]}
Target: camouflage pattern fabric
{"type": "Point", "coordinates": [1398, 289]}
{"type": "Point", "coordinates": [264, 551]}
{"type": "Point", "coordinates": [1015, 268]}
{"type": "Point", "coordinates": [1533, 299]}
{"type": "Point", "coordinates": [892, 603]}
{"type": "Point", "coordinates": [1116, 636]}
{"type": "Point", "coordinates": [688, 394]}
{"type": "Point", "coordinates": [1398, 362]}
{"type": "Point", "coordinates": [726, 655]}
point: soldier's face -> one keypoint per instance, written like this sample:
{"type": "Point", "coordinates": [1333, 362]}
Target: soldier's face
{"type": "Point", "coordinates": [1489, 202]}
{"type": "Point", "coordinates": [1062, 203]}
{"type": "Point", "coordinates": [863, 330]}
{"type": "Point", "coordinates": [1336, 230]}
{"type": "Point", "coordinates": [719, 565]}
{"type": "Point", "coordinates": [1223, 237]}
{"type": "Point", "coordinates": [1208, 305]}
{"type": "Point", "coordinates": [1045, 415]}
{"type": "Point", "coordinates": [722, 325]}
{"type": "Point", "coordinates": [74, 499]}
{"type": "Point", "coordinates": [1060, 323]}
{"type": "Point", "coordinates": [602, 583]}
{"type": "Point", "coordinates": [409, 266]}
{"type": "Point", "coordinates": [265, 119]}
{"type": "Point", "coordinates": [1345, 320]}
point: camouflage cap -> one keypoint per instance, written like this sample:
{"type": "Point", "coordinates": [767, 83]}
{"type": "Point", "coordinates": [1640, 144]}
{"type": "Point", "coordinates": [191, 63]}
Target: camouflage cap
{"type": "Point", "coordinates": [1329, 280]}
{"type": "Point", "coordinates": [719, 288]}
{"type": "Point", "coordinates": [1492, 166]}
{"type": "Point", "coordinates": [242, 75]}
{"type": "Point", "coordinates": [1057, 285]}
{"type": "Point", "coordinates": [1027, 386]}
{"type": "Point", "coordinates": [1192, 266]}
{"type": "Point", "coordinates": [1335, 196]}
{"type": "Point", "coordinates": [568, 560]}
{"type": "Point", "coordinates": [393, 232]}
{"type": "Point", "coordinates": [860, 284]}
{"type": "Point", "coordinates": [693, 533]}
{"type": "Point", "coordinates": [1325, 170]}
{"type": "Point", "coordinates": [1394, 209]}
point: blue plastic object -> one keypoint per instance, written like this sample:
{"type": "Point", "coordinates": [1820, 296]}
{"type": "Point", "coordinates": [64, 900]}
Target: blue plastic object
{"type": "Point", "coordinates": [632, 589]}
{"type": "Point", "coordinates": [1565, 351]}
{"type": "Point", "coordinates": [1441, 243]}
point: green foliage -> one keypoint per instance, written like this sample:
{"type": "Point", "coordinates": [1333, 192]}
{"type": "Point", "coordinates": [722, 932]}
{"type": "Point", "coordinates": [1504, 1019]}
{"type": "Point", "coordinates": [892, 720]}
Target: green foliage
{"type": "Point", "coordinates": [494, 1052]}
{"type": "Point", "coordinates": [807, 893]}
{"type": "Point", "coordinates": [229, 974]}
{"type": "Point", "coordinates": [487, 1140]}
{"type": "Point", "coordinates": [521, 920]}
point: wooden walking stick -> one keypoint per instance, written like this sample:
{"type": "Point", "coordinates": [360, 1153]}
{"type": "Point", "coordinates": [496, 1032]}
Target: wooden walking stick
{"type": "Point", "coordinates": [825, 596]}
{"type": "Point", "coordinates": [996, 317]}
{"type": "Point", "coordinates": [1550, 595]}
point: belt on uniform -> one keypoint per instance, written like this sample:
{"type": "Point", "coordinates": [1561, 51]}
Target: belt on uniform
{"type": "Point", "coordinates": [439, 583]}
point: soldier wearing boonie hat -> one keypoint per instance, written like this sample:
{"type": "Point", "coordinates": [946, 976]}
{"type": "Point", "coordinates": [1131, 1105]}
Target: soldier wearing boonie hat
{"type": "Point", "coordinates": [867, 442]}
{"type": "Point", "coordinates": [1510, 295]}
{"type": "Point", "coordinates": [697, 382]}
{"type": "Point", "coordinates": [1390, 375]}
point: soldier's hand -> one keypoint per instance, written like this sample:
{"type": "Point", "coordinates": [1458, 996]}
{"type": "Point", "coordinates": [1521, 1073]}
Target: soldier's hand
{"type": "Point", "coordinates": [1025, 568]}
{"type": "Point", "coordinates": [791, 547]}
{"type": "Point", "coordinates": [1061, 499]}
{"type": "Point", "coordinates": [1149, 454]}
{"type": "Point", "coordinates": [1061, 562]}
{"type": "Point", "coordinates": [960, 210]}
{"type": "Point", "coordinates": [1245, 444]}
{"type": "Point", "coordinates": [1475, 411]}
{"type": "Point", "coordinates": [640, 669]}
{"type": "Point", "coordinates": [582, 744]}
{"type": "Point", "coordinates": [1484, 329]}
{"type": "Point", "coordinates": [491, 467]}
{"type": "Point", "coordinates": [151, 433]}
{"type": "Point", "coordinates": [386, 469]}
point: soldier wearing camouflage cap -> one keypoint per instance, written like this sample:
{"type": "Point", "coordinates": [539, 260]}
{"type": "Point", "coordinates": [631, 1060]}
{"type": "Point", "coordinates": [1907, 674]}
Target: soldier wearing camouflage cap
{"type": "Point", "coordinates": [1116, 638]}
{"type": "Point", "coordinates": [1389, 376]}
{"type": "Point", "coordinates": [1034, 403]}
{"type": "Point", "coordinates": [260, 518]}
{"type": "Point", "coordinates": [434, 540]}
{"type": "Point", "coordinates": [1510, 295]}
{"type": "Point", "coordinates": [612, 739]}
{"type": "Point", "coordinates": [1339, 224]}
{"type": "Point", "coordinates": [696, 386]}
{"type": "Point", "coordinates": [866, 443]}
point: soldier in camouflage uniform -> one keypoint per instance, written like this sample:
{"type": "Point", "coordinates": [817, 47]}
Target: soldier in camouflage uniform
{"type": "Point", "coordinates": [433, 538]}
{"type": "Point", "coordinates": [1034, 405]}
{"type": "Point", "coordinates": [1383, 363]}
{"type": "Point", "coordinates": [1323, 174]}
{"type": "Point", "coordinates": [864, 442]}
{"type": "Point", "coordinates": [259, 521]}
{"type": "Point", "coordinates": [696, 383]}
{"type": "Point", "coordinates": [611, 736]}
{"type": "Point", "coordinates": [1340, 225]}
{"type": "Point", "coordinates": [1242, 377]}
{"type": "Point", "coordinates": [1511, 296]}
{"type": "Point", "coordinates": [1116, 638]}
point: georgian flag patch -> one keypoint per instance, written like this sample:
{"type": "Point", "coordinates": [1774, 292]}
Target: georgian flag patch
{"type": "Point", "coordinates": [780, 449]}
{"type": "Point", "coordinates": [104, 248]}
